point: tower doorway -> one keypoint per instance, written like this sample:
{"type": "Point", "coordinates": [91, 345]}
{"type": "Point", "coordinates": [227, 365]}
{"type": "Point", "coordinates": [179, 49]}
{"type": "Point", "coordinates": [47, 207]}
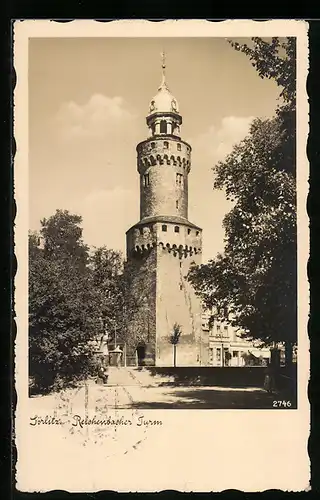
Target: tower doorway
{"type": "Point", "coordinates": [141, 354]}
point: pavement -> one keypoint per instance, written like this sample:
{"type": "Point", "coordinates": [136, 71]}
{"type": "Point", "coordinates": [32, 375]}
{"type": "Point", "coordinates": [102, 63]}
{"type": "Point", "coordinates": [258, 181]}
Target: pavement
{"type": "Point", "coordinates": [130, 388]}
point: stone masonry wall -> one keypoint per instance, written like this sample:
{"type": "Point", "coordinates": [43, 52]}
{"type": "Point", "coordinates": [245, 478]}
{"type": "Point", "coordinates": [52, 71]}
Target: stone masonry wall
{"type": "Point", "coordinates": [141, 316]}
{"type": "Point", "coordinates": [166, 161]}
{"type": "Point", "coordinates": [177, 302]}
{"type": "Point", "coordinates": [163, 196]}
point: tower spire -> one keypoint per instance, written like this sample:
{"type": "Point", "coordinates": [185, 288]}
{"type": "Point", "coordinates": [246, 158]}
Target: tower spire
{"type": "Point", "coordinates": [163, 65]}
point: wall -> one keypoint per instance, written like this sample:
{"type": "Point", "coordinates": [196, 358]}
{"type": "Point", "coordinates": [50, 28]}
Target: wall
{"type": "Point", "coordinates": [162, 193]}
{"type": "Point", "coordinates": [162, 164]}
{"type": "Point", "coordinates": [176, 303]}
{"type": "Point", "coordinates": [160, 261]}
{"type": "Point", "coordinates": [141, 236]}
{"type": "Point", "coordinates": [227, 376]}
{"type": "Point", "coordinates": [141, 302]}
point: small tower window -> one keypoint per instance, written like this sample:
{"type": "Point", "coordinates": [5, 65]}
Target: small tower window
{"type": "Point", "coordinates": [146, 180]}
{"type": "Point", "coordinates": [164, 228]}
{"type": "Point", "coordinates": [179, 147]}
{"type": "Point", "coordinates": [189, 231]}
{"type": "Point", "coordinates": [166, 144]}
{"type": "Point", "coordinates": [153, 144]}
{"type": "Point", "coordinates": [163, 127]}
{"type": "Point", "coordinates": [197, 233]}
{"type": "Point", "coordinates": [176, 229]}
{"type": "Point", "coordinates": [177, 204]}
{"type": "Point", "coordinates": [179, 179]}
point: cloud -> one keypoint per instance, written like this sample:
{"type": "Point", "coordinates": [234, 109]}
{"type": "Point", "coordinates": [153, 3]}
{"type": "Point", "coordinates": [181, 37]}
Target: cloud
{"type": "Point", "coordinates": [217, 142]}
{"type": "Point", "coordinates": [98, 116]}
{"type": "Point", "coordinates": [108, 214]}
{"type": "Point", "coordinates": [207, 149]}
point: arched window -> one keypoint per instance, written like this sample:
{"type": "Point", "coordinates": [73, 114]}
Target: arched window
{"type": "Point", "coordinates": [179, 147]}
{"type": "Point", "coordinates": [189, 231]}
{"type": "Point", "coordinates": [166, 144]}
{"type": "Point", "coordinates": [163, 127]}
{"type": "Point", "coordinates": [177, 204]}
{"type": "Point", "coordinates": [164, 227]}
{"type": "Point", "coordinates": [153, 144]}
{"type": "Point", "coordinates": [176, 229]}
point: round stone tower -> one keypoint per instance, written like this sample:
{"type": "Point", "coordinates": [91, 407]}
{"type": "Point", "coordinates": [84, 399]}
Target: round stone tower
{"type": "Point", "coordinates": [163, 244]}
{"type": "Point", "coordinates": [164, 159]}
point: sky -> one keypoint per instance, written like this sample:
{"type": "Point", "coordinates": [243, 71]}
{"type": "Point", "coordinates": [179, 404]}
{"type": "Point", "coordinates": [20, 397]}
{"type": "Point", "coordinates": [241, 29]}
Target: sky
{"type": "Point", "coordinates": [88, 99]}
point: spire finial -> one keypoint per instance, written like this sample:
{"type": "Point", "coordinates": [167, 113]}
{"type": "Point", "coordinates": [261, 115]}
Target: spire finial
{"type": "Point", "coordinates": [163, 65]}
{"type": "Point", "coordinates": [163, 57]}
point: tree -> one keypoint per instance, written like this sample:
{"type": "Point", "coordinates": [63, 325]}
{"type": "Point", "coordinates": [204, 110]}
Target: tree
{"type": "Point", "coordinates": [108, 280]}
{"type": "Point", "coordinates": [255, 277]}
{"type": "Point", "coordinates": [62, 237]}
{"type": "Point", "coordinates": [63, 313]}
{"type": "Point", "coordinates": [174, 340]}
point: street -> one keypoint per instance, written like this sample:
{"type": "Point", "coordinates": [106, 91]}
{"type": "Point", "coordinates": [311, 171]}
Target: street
{"type": "Point", "coordinates": [133, 389]}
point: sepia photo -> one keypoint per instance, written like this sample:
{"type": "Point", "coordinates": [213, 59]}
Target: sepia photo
{"type": "Point", "coordinates": [163, 244]}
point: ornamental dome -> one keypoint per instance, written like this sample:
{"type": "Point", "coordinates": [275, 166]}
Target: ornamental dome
{"type": "Point", "coordinates": [163, 101]}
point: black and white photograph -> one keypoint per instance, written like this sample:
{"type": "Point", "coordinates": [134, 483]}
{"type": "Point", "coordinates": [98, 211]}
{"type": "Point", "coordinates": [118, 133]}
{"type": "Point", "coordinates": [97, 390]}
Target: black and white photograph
{"type": "Point", "coordinates": [163, 228]}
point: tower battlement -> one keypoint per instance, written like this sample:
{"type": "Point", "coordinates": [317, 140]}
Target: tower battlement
{"type": "Point", "coordinates": [180, 238]}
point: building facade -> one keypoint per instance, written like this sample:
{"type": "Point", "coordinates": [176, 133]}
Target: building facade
{"type": "Point", "coordinates": [163, 244]}
{"type": "Point", "coordinates": [226, 346]}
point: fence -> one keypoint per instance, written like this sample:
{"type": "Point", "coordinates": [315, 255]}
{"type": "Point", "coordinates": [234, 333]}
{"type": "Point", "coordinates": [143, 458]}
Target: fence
{"type": "Point", "coordinates": [125, 360]}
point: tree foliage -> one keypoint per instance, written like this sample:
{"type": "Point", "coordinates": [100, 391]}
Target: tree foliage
{"type": "Point", "coordinates": [174, 339]}
{"type": "Point", "coordinates": [69, 291]}
{"type": "Point", "coordinates": [108, 280]}
{"type": "Point", "coordinates": [255, 278]}
{"type": "Point", "coordinates": [176, 334]}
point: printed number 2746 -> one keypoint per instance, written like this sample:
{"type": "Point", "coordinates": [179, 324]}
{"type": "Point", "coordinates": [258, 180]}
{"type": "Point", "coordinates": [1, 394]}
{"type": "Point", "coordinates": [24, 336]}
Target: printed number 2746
{"type": "Point", "coordinates": [281, 404]}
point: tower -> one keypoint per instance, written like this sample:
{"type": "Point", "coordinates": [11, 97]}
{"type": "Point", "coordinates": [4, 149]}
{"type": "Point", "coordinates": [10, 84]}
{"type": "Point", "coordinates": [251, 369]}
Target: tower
{"type": "Point", "coordinates": [162, 246]}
